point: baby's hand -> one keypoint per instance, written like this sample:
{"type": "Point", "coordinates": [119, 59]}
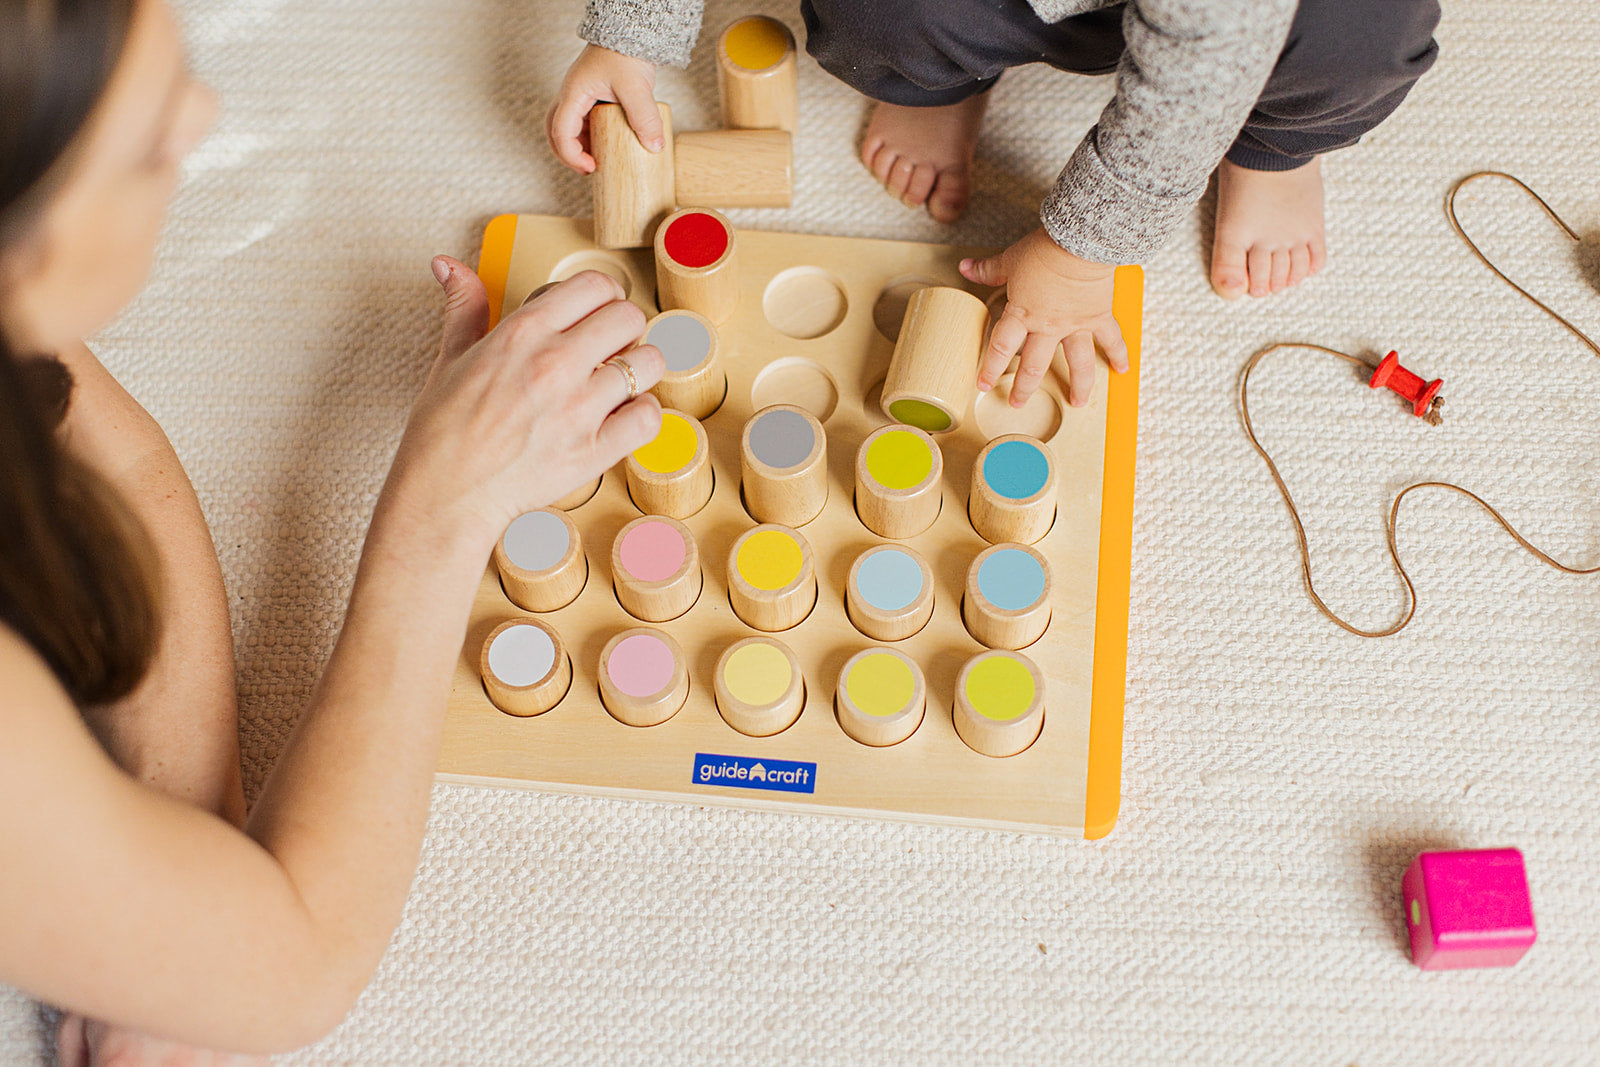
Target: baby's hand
{"type": "Point", "coordinates": [1052, 298]}
{"type": "Point", "coordinates": [599, 74]}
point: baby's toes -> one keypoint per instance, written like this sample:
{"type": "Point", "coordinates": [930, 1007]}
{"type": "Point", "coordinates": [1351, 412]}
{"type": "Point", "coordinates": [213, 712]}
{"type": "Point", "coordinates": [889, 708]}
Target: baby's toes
{"type": "Point", "coordinates": [1299, 263]}
{"type": "Point", "coordinates": [920, 184]}
{"type": "Point", "coordinates": [1280, 270]}
{"type": "Point", "coordinates": [1229, 276]}
{"type": "Point", "coordinates": [948, 200]}
{"type": "Point", "coordinates": [1258, 263]}
{"type": "Point", "coordinates": [883, 163]}
{"type": "Point", "coordinates": [900, 176]}
{"type": "Point", "coordinates": [1319, 254]}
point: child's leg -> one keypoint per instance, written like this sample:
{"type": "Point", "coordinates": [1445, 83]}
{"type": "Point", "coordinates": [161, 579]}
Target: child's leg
{"type": "Point", "coordinates": [1346, 66]}
{"type": "Point", "coordinates": [929, 64]}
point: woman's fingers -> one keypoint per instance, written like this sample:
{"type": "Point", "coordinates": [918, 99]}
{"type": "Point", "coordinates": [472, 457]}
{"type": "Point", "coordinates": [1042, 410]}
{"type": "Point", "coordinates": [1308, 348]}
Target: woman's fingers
{"type": "Point", "coordinates": [641, 368]}
{"type": "Point", "coordinates": [606, 331]}
{"type": "Point", "coordinates": [563, 306]}
{"type": "Point", "coordinates": [466, 309]}
{"type": "Point", "coordinates": [633, 425]}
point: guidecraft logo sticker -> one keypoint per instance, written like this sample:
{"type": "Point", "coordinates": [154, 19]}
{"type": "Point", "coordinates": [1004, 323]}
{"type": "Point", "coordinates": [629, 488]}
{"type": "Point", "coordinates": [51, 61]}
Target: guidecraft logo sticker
{"type": "Point", "coordinates": [743, 772]}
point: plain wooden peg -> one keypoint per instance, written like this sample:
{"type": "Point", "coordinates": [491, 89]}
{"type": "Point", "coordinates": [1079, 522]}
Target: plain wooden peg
{"type": "Point", "coordinates": [933, 374]}
{"type": "Point", "coordinates": [760, 689]}
{"type": "Point", "coordinates": [734, 168]}
{"type": "Point", "coordinates": [783, 465]}
{"type": "Point", "coordinates": [756, 75]}
{"type": "Point", "coordinates": [524, 666]}
{"type": "Point", "coordinates": [633, 186]}
{"type": "Point", "coordinates": [999, 708]}
{"type": "Point", "coordinates": [540, 560]}
{"type": "Point", "coordinates": [697, 265]}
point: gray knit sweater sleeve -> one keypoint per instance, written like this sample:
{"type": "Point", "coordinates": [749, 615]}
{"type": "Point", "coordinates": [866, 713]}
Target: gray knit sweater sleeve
{"type": "Point", "coordinates": [657, 31]}
{"type": "Point", "coordinates": [1187, 81]}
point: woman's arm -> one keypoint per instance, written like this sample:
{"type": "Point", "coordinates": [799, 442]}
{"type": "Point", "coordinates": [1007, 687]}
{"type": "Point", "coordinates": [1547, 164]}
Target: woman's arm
{"type": "Point", "coordinates": [123, 904]}
{"type": "Point", "coordinates": [179, 730]}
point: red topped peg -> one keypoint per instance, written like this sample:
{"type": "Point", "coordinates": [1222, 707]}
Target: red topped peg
{"type": "Point", "coordinates": [1423, 396]}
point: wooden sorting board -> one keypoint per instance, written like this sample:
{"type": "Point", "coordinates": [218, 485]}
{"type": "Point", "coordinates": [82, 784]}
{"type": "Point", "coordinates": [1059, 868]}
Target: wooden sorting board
{"type": "Point", "coordinates": [829, 289]}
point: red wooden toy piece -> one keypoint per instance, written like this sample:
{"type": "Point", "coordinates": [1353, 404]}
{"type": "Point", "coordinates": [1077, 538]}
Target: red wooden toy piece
{"type": "Point", "coordinates": [1423, 396]}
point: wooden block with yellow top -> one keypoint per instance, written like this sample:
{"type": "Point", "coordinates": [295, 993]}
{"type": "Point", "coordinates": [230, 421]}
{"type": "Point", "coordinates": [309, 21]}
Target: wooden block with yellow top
{"type": "Point", "coordinates": [672, 474]}
{"type": "Point", "coordinates": [812, 328]}
{"type": "Point", "coordinates": [756, 75]}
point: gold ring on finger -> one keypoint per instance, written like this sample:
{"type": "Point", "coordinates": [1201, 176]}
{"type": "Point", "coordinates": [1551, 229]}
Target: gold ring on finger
{"type": "Point", "coordinates": [626, 368]}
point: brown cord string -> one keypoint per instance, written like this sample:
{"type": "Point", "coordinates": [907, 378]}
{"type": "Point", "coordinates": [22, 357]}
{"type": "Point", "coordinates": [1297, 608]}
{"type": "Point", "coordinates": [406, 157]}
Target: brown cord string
{"type": "Point", "coordinates": [1394, 506]}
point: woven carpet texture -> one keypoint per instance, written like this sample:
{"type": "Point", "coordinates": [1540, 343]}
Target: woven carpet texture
{"type": "Point", "coordinates": [1279, 774]}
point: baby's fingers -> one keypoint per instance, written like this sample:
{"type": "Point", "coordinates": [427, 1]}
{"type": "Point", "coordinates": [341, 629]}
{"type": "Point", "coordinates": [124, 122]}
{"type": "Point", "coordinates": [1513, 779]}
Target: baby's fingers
{"type": "Point", "coordinates": [1037, 351]}
{"type": "Point", "coordinates": [1004, 341]}
{"type": "Point", "coordinates": [1110, 337]}
{"type": "Point", "coordinates": [564, 129]}
{"type": "Point", "coordinates": [639, 105]}
{"type": "Point", "coordinates": [1080, 366]}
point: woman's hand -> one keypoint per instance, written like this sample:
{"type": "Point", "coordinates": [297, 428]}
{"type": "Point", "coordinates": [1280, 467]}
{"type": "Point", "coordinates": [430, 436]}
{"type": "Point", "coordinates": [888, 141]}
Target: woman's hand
{"type": "Point", "coordinates": [519, 418]}
{"type": "Point", "coordinates": [83, 1042]}
{"type": "Point", "coordinates": [599, 74]}
{"type": "Point", "coordinates": [1052, 298]}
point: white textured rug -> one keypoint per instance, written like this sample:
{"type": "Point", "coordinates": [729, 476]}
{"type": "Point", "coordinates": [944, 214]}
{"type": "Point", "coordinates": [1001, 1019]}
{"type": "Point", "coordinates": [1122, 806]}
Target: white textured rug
{"type": "Point", "coordinates": [1279, 774]}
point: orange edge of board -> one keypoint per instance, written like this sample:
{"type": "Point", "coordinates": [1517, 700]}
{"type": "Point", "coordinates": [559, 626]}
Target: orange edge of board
{"type": "Point", "coordinates": [1104, 796]}
{"type": "Point", "coordinates": [494, 262]}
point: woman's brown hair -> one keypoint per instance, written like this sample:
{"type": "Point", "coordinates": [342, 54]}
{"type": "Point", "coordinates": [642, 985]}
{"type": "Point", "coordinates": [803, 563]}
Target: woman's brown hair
{"type": "Point", "coordinates": [75, 570]}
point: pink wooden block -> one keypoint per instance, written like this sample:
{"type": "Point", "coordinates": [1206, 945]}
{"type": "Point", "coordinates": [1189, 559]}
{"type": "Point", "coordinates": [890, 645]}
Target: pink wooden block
{"type": "Point", "coordinates": [1468, 909]}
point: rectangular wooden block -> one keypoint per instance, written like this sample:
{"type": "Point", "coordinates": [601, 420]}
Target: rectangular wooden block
{"type": "Point", "coordinates": [814, 327]}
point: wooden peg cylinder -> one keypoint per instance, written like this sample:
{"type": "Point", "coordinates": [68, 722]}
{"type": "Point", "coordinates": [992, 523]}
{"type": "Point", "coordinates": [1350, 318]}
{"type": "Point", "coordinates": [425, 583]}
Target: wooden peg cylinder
{"type": "Point", "coordinates": [889, 593]}
{"type": "Point", "coordinates": [655, 566]}
{"type": "Point", "coordinates": [759, 687]}
{"type": "Point", "coordinates": [899, 473]}
{"type": "Point", "coordinates": [694, 382]}
{"type": "Point", "coordinates": [697, 264]}
{"type": "Point", "coordinates": [999, 708]}
{"type": "Point", "coordinates": [933, 374]}
{"type": "Point", "coordinates": [525, 668]}
{"type": "Point", "coordinates": [541, 562]}
{"type": "Point", "coordinates": [881, 697]}
{"type": "Point", "coordinates": [772, 581]}
{"type": "Point", "coordinates": [783, 465]}
{"type": "Point", "coordinates": [633, 187]}
{"type": "Point", "coordinates": [1007, 602]}
{"type": "Point", "coordinates": [578, 497]}
{"type": "Point", "coordinates": [1013, 494]}
{"type": "Point", "coordinates": [672, 474]}
{"type": "Point", "coordinates": [756, 75]}
{"type": "Point", "coordinates": [734, 168]}
{"type": "Point", "coordinates": [644, 678]}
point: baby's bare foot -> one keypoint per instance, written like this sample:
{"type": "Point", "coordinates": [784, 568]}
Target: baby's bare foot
{"type": "Point", "coordinates": [1269, 232]}
{"type": "Point", "coordinates": [923, 155]}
